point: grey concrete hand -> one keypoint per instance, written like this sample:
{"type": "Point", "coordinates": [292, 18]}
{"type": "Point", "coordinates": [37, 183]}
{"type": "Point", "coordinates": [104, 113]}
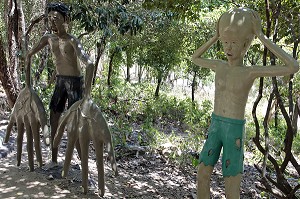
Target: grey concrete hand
{"type": "Point", "coordinates": [84, 122]}
{"type": "Point", "coordinates": [29, 115]}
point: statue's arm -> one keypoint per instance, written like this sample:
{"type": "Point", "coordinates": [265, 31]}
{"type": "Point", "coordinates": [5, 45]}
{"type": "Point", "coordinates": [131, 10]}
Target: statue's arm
{"type": "Point", "coordinates": [84, 57]}
{"type": "Point", "coordinates": [203, 62]}
{"type": "Point", "coordinates": [36, 48]}
{"type": "Point", "coordinates": [290, 65]}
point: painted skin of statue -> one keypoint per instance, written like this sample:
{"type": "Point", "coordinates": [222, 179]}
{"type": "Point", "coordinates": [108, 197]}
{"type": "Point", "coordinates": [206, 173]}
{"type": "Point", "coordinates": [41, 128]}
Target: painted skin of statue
{"type": "Point", "coordinates": [233, 81]}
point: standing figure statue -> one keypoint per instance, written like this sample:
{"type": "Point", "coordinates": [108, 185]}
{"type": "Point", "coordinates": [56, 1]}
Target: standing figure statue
{"type": "Point", "coordinates": [67, 51]}
{"type": "Point", "coordinates": [233, 80]}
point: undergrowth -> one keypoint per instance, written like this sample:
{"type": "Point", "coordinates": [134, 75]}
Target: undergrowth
{"type": "Point", "coordinates": [136, 117]}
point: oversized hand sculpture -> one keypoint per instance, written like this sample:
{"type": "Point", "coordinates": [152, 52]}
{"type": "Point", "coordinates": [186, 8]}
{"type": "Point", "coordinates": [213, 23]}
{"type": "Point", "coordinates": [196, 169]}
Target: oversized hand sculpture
{"type": "Point", "coordinates": [29, 111]}
{"type": "Point", "coordinates": [84, 121]}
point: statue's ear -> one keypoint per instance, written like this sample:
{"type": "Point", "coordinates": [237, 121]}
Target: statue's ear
{"type": "Point", "coordinates": [67, 19]}
{"type": "Point", "coordinates": [66, 23]}
{"type": "Point", "coordinates": [246, 43]}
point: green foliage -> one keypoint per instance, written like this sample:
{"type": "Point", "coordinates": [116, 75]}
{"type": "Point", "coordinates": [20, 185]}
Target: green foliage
{"type": "Point", "coordinates": [276, 139]}
{"type": "Point", "coordinates": [296, 144]}
{"type": "Point", "coordinates": [181, 112]}
{"type": "Point", "coordinates": [101, 16]}
{"type": "Point", "coordinates": [196, 34]}
{"type": "Point", "coordinates": [45, 94]}
{"type": "Point", "coordinates": [161, 45]}
{"type": "Point", "coordinates": [183, 9]}
{"type": "Point", "coordinates": [132, 108]}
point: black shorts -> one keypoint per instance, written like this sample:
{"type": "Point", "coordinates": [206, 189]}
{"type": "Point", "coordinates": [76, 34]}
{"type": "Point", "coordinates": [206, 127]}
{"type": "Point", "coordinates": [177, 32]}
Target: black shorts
{"type": "Point", "coordinates": [66, 88]}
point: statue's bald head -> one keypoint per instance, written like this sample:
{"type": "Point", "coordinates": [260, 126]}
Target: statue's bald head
{"type": "Point", "coordinates": [238, 22]}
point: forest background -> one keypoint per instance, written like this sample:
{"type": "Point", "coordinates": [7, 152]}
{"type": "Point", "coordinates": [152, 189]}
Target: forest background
{"type": "Point", "coordinates": [146, 84]}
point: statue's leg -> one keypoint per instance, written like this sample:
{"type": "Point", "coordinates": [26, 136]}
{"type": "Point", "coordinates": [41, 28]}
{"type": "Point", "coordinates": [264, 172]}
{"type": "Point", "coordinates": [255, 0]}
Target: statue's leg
{"type": "Point", "coordinates": [29, 143]}
{"type": "Point", "coordinates": [232, 186]}
{"type": "Point", "coordinates": [20, 127]}
{"type": "Point", "coordinates": [203, 181]}
{"type": "Point", "coordinates": [233, 160]}
{"type": "Point", "coordinates": [54, 118]}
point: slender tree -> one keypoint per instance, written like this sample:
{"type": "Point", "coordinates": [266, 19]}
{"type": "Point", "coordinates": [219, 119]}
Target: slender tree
{"type": "Point", "coordinates": [273, 11]}
{"type": "Point", "coordinates": [15, 34]}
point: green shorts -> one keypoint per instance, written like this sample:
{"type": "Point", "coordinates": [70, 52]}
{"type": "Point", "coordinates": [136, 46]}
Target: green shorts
{"type": "Point", "coordinates": [227, 133]}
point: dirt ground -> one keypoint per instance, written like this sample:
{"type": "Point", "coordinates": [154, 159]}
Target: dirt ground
{"type": "Point", "coordinates": [146, 175]}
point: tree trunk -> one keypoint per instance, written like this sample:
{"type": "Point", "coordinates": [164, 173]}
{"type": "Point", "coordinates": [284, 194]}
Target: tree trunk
{"type": "Point", "coordinates": [140, 73]}
{"type": "Point", "coordinates": [159, 81]}
{"type": "Point", "coordinates": [128, 64]}
{"type": "Point", "coordinates": [15, 33]}
{"type": "Point", "coordinates": [100, 49]}
{"type": "Point", "coordinates": [7, 83]}
{"type": "Point", "coordinates": [13, 48]}
{"type": "Point", "coordinates": [280, 184]}
{"type": "Point", "coordinates": [194, 86]}
{"type": "Point", "coordinates": [110, 68]}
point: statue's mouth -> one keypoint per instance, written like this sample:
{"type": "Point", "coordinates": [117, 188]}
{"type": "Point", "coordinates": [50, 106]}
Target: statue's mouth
{"type": "Point", "coordinates": [53, 27]}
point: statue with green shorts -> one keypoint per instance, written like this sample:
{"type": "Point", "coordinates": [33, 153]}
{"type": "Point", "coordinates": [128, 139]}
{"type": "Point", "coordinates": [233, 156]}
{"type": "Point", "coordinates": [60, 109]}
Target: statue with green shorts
{"type": "Point", "coordinates": [233, 80]}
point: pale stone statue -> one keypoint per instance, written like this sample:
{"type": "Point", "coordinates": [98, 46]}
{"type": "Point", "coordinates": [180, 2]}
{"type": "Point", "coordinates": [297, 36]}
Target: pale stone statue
{"type": "Point", "coordinates": [233, 81]}
{"type": "Point", "coordinates": [66, 51]}
{"type": "Point", "coordinates": [29, 114]}
{"type": "Point", "coordinates": [85, 122]}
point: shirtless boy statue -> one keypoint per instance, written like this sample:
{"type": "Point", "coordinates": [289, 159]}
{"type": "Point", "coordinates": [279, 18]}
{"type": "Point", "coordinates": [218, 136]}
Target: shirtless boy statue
{"type": "Point", "coordinates": [67, 51]}
{"type": "Point", "coordinates": [233, 81]}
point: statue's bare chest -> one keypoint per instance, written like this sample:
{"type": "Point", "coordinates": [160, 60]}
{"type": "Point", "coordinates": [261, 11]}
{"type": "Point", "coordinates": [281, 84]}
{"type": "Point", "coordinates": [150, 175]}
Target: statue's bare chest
{"type": "Point", "coordinates": [61, 47]}
{"type": "Point", "coordinates": [232, 80]}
